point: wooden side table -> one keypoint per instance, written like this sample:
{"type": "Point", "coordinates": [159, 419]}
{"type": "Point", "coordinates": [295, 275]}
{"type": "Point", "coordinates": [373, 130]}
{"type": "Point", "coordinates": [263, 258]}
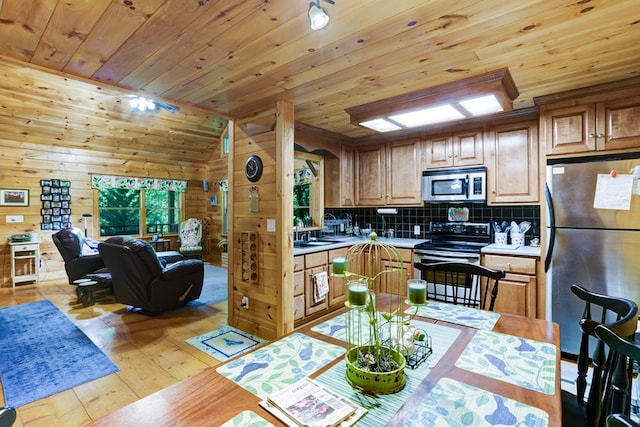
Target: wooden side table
{"type": "Point", "coordinates": [27, 255]}
{"type": "Point", "coordinates": [161, 245]}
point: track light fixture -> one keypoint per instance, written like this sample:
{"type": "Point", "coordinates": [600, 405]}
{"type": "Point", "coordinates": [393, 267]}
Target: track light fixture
{"type": "Point", "coordinates": [317, 16]}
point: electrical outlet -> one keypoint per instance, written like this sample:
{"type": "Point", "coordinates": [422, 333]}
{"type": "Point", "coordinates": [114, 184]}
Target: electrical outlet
{"type": "Point", "coordinates": [245, 302]}
{"type": "Point", "coordinates": [416, 230]}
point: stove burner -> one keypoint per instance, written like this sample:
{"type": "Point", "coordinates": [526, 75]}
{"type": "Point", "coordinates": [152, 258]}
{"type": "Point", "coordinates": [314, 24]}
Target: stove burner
{"type": "Point", "coordinates": [456, 237]}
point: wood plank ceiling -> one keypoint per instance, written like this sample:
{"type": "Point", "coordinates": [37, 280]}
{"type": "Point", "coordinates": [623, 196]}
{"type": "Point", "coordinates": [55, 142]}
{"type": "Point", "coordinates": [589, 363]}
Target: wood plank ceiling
{"type": "Point", "coordinates": [237, 57]}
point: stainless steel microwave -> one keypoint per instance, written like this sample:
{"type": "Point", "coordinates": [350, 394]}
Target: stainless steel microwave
{"type": "Point", "coordinates": [455, 185]}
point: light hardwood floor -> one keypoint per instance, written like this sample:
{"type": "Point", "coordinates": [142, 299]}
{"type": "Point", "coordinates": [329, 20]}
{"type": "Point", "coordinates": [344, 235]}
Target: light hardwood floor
{"type": "Point", "coordinates": [150, 351]}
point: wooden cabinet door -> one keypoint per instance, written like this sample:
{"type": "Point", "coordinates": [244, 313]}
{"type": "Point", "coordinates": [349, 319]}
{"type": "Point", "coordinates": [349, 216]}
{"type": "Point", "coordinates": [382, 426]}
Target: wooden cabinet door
{"type": "Point", "coordinates": [439, 152]}
{"type": "Point", "coordinates": [512, 298]}
{"type": "Point", "coordinates": [618, 125]}
{"type": "Point", "coordinates": [513, 176]}
{"type": "Point", "coordinates": [403, 172]}
{"type": "Point", "coordinates": [314, 263]}
{"type": "Point", "coordinates": [337, 285]}
{"type": "Point", "coordinates": [467, 148]}
{"type": "Point", "coordinates": [312, 306]}
{"type": "Point", "coordinates": [570, 129]}
{"type": "Point", "coordinates": [370, 175]}
{"type": "Point", "coordinates": [346, 175]}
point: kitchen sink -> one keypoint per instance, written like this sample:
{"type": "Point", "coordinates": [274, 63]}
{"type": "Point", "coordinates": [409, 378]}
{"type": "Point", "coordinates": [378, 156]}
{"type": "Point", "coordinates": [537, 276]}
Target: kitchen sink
{"type": "Point", "coordinates": [307, 243]}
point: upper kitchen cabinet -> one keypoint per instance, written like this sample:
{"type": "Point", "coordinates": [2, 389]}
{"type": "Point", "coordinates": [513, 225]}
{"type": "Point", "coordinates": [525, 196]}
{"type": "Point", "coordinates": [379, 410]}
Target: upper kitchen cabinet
{"type": "Point", "coordinates": [512, 167]}
{"type": "Point", "coordinates": [389, 174]}
{"type": "Point", "coordinates": [601, 118]}
{"type": "Point", "coordinates": [339, 186]}
{"type": "Point", "coordinates": [455, 149]}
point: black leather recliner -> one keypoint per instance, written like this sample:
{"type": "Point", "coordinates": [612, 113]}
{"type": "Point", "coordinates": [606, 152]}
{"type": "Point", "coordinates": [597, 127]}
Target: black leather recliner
{"type": "Point", "coordinates": [69, 242]}
{"type": "Point", "coordinates": [140, 280]}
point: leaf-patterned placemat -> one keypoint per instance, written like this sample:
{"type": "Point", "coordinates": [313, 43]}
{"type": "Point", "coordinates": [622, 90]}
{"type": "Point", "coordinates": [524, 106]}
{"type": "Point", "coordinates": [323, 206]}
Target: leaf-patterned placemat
{"type": "Point", "coordinates": [273, 367]}
{"type": "Point", "coordinates": [452, 403]}
{"type": "Point", "coordinates": [527, 363]}
{"type": "Point", "coordinates": [458, 314]}
{"type": "Point", "coordinates": [247, 419]}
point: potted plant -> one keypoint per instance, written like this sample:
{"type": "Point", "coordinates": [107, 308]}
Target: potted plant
{"type": "Point", "coordinates": [376, 330]}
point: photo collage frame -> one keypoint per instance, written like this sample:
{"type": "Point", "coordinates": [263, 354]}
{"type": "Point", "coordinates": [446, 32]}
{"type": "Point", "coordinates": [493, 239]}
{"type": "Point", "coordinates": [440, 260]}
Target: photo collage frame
{"type": "Point", "coordinates": [56, 204]}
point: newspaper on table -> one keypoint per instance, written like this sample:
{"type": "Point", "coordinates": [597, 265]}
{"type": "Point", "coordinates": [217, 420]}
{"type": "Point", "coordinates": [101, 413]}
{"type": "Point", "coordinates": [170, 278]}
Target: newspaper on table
{"type": "Point", "coordinates": [307, 403]}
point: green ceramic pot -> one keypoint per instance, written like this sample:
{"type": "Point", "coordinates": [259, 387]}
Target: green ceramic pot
{"type": "Point", "coordinates": [375, 382]}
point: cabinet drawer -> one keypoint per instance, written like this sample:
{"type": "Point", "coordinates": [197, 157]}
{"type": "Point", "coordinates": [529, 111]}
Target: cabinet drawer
{"type": "Point", "coordinates": [298, 263]}
{"type": "Point", "coordinates": [298, 283]}
{"type": "Point", "coordinates": [24, 248]}
{"type": "Point", "coordinates": [511, 264]}
{"type": "Point", "coordinates": [316, 259]}
{"type": "Point", "coordinates": [405, 254]}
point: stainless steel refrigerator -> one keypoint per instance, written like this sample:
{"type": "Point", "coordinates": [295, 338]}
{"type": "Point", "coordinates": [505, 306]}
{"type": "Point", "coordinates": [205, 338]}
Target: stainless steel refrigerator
{"type": "Point", "coordinates": [597, 248]}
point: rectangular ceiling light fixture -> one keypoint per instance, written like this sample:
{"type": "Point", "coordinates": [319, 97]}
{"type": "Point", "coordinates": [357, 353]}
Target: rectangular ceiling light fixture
{"type": "Point", "coordinates": [488, 93]}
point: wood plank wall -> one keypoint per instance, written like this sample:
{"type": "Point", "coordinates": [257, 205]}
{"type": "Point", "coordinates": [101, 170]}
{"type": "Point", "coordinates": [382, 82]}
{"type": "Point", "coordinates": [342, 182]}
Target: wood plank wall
{"type": "Point", "coordinates": [52, 126]}
{"type": "Point", "coordinates": [270, 311]}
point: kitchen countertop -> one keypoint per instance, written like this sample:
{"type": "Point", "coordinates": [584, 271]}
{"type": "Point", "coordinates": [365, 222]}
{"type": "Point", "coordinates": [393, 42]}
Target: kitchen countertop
{"type": "Point", "coordinates": [350, 241]}
{"type": "Point", "coordinates": [511, 250]}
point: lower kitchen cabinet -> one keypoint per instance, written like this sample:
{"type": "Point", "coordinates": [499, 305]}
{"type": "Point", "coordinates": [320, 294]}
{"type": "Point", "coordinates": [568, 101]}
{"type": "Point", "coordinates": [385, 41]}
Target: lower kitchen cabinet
{"type": "Point", "coordinates": [517, 292]}
{"type": "Point", "coordinates": [298, 287]}
{"type": "Point", "coordinates": [313, 264]}
{"type": "Point", "coordinates": [337, 285]}
{"type": "Point", "coordinates": [389, 282]}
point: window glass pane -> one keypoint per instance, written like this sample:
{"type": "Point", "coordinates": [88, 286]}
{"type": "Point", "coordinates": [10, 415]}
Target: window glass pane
{"type": "Point", "coordinates": [119, 211]}
{"type": "Point", "coordinates": [162, 211]}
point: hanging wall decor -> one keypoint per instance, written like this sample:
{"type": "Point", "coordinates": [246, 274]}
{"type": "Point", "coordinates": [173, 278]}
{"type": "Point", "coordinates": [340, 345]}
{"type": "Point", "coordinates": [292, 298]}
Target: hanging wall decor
{"type": "Point", "coordinates": [56, 204]}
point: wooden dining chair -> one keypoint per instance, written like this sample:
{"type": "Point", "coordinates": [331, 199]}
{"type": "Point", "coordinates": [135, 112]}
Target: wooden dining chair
{"type": "Point", "coordinates": [624, 354]}
{"type": "Point", "coordinates": [619, 314]}
{"type": "Point", "coordinates": [461, 283]}
{"type": "Point", "coordinates": [620, 420]}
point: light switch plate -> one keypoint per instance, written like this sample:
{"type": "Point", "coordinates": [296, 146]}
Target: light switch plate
{"type": "Point", "coordinates": [271, 225]}
{"type": "Point", "coordinates": [15, 218]}
{"type": "Point", "coordinates": [416, 230]}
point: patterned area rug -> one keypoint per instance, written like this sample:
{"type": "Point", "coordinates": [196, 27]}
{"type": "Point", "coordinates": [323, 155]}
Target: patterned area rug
{"type": "Point", "coordinates": [224, 343]}
{"type": "Point", "coordinates": [42, 352]}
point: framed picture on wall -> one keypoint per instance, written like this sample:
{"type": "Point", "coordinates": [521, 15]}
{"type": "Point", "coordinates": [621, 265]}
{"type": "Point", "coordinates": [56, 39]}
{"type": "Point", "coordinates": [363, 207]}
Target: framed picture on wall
{"type": "Point", "coordinates": [12, 197]}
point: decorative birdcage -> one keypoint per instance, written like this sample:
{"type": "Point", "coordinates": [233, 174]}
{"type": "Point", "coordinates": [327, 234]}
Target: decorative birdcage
{"type": "Point", "coordinates": [376, 326]}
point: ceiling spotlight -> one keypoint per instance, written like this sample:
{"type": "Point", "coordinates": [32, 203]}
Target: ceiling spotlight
{"type": "Point", "coordinates": [142, 104]}
{"type": "Point", "coordinates": [317, 16]}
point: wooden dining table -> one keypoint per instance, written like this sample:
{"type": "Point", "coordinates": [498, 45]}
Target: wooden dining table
{"type": "Point", "coordinates": [212, 397]}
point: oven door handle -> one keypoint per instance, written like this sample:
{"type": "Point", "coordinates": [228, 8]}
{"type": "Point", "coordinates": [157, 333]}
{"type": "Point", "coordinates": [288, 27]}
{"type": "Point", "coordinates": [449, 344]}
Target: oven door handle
{"type": "Point", "coordinates": [425, 259]}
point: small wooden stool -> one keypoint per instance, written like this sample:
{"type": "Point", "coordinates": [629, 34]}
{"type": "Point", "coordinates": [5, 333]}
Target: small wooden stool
{"type": "Point", "coordinates": [85, 292]}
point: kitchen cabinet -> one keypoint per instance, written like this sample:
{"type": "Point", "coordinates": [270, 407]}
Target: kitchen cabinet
{"type": "Point", "coordinates": [337, 285]}
{"type": "Point", "coordinates": [298, 287]}
{"type": "Point", "coordinates": [513, 166]}
{"type": "Point", "coordinates": [339, 185]}
{"type": "Point", "coordinates": [389, 282]}
{"type": "Point", "coordinates": [585, 127]}
{"type": "Point", "coordinates": [313, 264]}
{"type": "Point", "coordinates": [464, 148]}
{"type": "Point", "coordinates": [517, 292]}
{"type": "Point", "coordinates": [389, 174]}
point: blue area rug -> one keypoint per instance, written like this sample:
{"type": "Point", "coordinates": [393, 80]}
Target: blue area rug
{"type": "Point", "coordinates": [42, 353]}
{"type": "Point", "coordinates": [214, 287]}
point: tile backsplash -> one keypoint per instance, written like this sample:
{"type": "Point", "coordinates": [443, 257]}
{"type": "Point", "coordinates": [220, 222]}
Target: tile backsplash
{"type": "Point", "coordinates": [407, 217]}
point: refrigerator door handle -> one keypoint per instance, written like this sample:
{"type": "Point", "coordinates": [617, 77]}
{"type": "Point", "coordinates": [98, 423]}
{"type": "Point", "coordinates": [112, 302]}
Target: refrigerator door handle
{"type": "Point", "coordinates": [552, 228]}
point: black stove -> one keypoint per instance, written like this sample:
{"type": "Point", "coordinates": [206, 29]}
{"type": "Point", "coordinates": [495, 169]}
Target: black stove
{"type": "Point", "coordinates": [466, 237]}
